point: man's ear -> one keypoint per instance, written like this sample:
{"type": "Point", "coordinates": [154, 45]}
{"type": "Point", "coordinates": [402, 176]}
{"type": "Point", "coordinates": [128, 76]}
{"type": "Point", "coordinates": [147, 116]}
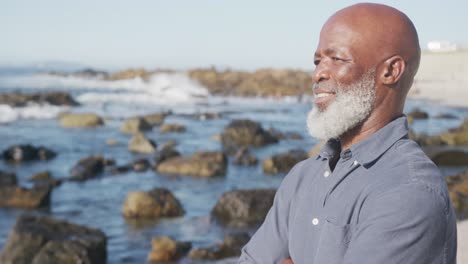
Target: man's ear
{"type": "Point", "coordinates": [392, 70]}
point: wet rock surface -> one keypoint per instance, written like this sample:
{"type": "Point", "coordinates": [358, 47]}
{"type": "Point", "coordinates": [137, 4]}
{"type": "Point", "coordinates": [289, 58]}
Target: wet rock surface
{"type": "Point", "coordinates": [245, 158]}
{"type": "Point", "coordinates": [88, 168]}
{"type": "Point", "coordinates": [166, 153]}
{"type": "Point", "coordinates": [159, 202]}
{"type": "Point", "coordinates": [44, 240]}
{"type": "Point", "coordinates": [166, 249]}
{"type": "Point", "coordinates": [28, 198]}
{"type": "Point", "coordinates": [7, 179]}
{"type": "Point", "coordinates": [263, 82]}
{"type": "Point", "coordinates": [201, 164]}
{"type": "Point", "coordinates": [451, 158]}
{"type": "Point", "coordinates": [243, 207]}
{"type": "Point", "coordinates": [81, 120]}
{"type": "Point", "coordinates": [44, 179]}
{"type": "Point", "coordinates": [24, 153]}
{"type": "Point", "coordinates": [135, 125]}
{"type": "Point", "coordinates": [230, 247]}
{"type": "Point", "coordinates": [141, 144]}
{"type": "Point", "coordinates": [240, 133]}
{"type": "Point", "coordinates": [458, 190]}
{"type": "Point", "coordinates": [284, 162]}
{"type": "Point", "coordinates": [177, 128]}
{"type": "Point", "coordinates": [418, 114]}
{"type": "Point", "coordinates": [18, 99]}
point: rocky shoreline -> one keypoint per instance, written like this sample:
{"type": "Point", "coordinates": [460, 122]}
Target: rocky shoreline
{"type": "Point", "coordinates": [34, 239]}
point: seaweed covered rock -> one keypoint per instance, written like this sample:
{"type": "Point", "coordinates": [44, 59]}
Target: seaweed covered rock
{"type": "Point", "coordinates": [243, 207]}
{"type": "Point", "coordinates": [88, 168]}
{"type": "Point", "coordinates": [245, 133]}
{"type": "Point", "coordinates": [24, 153]}
{"type": "Point", "coordinates": [45, 240]}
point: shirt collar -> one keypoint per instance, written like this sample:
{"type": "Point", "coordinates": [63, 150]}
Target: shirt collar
{"type": "Point", "coordinates": [372, 147]}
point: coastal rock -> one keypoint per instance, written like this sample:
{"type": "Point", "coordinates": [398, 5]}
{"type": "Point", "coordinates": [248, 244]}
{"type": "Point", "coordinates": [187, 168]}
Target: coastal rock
{"type": "Point", "coordinates": [283, 162]}
{"type": "Point", "coordinates": [154, 204]}
{"type": "Point", "coordinates": [285, 135]}
{"type": "Point", "coordinates": [164, 154]}
{"type": "Point", "coordinates": [88, 168]}
{"type": "Point", "coordinates": [243, 207]}
{"type": "Point", "coordinates": [217, 82]}
{"type": "Point", "coordinates": [22, 153]}
{"type": "Point", "coordinates": [141, 165]}
{"type": "Point", "coordinates": [121, 169]}
{"type": "Point", "coordinates": [81, 120]}
{"type": "Point", "coordinates": [44, 240]}
{"type": "Point", "coordinates": [129, 74]}
{"type": "Point", "coordinates": [166, 249]}
{"type": "Point", "coordinates": [44, 179]}
{"type": "Point", "coordinates": [263, 82]}
{"type": "Point", "coordinates": [155, 119]}
{"type": "Point", "coordinates": [7, 179]}
{"type": "Point", "coordinates": [17, 99]}
{"type": "Point", "coordinates": [202, 164]}
{"type": "Point", "coordinates": [245, 133]}
{"type": "Point", "coordinates": [418, 114]}
{"type": "Point", "coordinates": [426, 140]}
{"type": "Point", "coordinates": [140, 144]}
{"type": "Point", "coordinates": [243, 157]}
{"type": "Point", "coordinates": [451, 158]}
{"type": "Point", "coordinates": [89, 73]}
{"type": "Point", "coordinates": [230, 247]}
{"type": "Point", "coordinates": [165, 128]}
{"type": "Point", "coordinates": [169, 144]}
{"type": "Point", "coordinates": [134, 125]}
{"type": "Point", "coordinates": [455, 138]}
{"type": "Point", "coordinates": [19, 197]}
{"type": "Point", "coordinates": [445, 116]}
{"type": "Point", "coordinates": [458, 190]}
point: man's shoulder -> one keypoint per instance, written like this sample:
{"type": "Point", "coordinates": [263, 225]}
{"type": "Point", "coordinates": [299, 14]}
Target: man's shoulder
{"type": "Point", "coordinates": [408, 167]}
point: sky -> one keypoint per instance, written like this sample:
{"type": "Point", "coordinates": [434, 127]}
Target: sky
{"type": "Point", "coordinates": [178, 34]}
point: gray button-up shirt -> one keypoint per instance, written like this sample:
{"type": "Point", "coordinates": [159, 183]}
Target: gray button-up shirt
{"type": "Point", "coordinates": [384, 202]}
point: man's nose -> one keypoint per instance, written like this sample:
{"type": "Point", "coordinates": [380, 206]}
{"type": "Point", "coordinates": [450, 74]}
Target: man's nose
{"type": "Point", "coordinates": [321, 73]}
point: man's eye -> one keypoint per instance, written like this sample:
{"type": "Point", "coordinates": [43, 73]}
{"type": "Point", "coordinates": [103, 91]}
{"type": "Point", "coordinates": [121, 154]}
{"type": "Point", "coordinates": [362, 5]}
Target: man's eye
{"type": "Point", "coordinates": [336, 59]}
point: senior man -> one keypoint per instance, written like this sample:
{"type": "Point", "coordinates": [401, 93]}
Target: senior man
{"type": "Point", "coordinates": [371, 195]}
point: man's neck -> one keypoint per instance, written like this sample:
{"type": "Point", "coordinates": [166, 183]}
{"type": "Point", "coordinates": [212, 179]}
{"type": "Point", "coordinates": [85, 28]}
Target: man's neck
{"type": "Point", "coordinates": [364, 130]}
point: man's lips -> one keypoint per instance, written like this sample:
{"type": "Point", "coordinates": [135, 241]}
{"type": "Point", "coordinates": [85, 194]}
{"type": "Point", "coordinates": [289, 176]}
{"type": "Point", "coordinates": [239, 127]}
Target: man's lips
{"type": "Point", "coordinates": [323, 98]}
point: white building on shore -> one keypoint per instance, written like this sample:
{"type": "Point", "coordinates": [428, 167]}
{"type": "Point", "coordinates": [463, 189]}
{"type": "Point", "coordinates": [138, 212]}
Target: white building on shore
{"type": "Point", "coordinates": [441, 46]}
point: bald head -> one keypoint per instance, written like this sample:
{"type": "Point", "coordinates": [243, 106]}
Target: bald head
{"type": "Point", "coordinates": [380, 32]}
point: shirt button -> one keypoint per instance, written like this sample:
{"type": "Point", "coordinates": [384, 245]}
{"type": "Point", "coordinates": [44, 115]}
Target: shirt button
{"type": "Point", "coordinates": [315, 221]}
{"type": "Point", "coordinates": [355, 163]}
{"type": "Point", "coordinates": [326, 174]}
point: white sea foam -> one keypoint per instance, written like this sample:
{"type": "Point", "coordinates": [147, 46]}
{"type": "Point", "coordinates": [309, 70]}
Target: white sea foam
{"type": "Point", "coordinates": [31, 111]}
{"type": "Point", "coordinates": [161, 89]}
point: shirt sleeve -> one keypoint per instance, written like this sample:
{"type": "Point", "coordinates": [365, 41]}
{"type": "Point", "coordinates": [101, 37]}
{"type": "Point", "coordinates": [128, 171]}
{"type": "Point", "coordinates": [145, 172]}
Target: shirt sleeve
{"type": "Point", "coordinates": [408, 224]}
{"type": "Point", "coordinates": [270, 243]}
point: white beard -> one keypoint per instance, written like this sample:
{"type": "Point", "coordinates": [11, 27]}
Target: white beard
{"type": "Point", "coordinates": [351, 106]}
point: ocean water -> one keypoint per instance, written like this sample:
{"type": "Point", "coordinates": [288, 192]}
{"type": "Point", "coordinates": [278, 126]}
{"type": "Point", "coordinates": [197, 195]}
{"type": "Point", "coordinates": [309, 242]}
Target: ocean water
{"type": "Point", "coordinates": [97, 203]}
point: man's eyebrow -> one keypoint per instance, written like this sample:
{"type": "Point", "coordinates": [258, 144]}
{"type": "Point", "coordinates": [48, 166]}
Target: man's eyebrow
{"type": "Point", "coordinates": [327, 51]}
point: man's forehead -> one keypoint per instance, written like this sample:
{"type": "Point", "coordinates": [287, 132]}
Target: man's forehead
{"type": "Point", "coordinates": [338, 37]}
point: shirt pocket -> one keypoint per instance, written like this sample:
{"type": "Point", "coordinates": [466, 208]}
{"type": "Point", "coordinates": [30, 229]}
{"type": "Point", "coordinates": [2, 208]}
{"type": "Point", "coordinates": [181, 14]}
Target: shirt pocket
{"type": "Point", "coordinates": [333, 243]}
